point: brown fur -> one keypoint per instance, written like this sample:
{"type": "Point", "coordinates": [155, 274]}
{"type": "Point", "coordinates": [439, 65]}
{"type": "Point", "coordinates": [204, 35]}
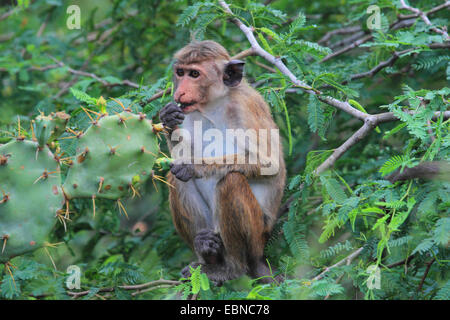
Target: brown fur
{"type": "Point", "coordinates": [243, 225]}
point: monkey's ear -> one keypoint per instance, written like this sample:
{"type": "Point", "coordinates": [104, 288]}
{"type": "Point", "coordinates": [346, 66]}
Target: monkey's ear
{"type": "Point", "coordinates": [233, 73]}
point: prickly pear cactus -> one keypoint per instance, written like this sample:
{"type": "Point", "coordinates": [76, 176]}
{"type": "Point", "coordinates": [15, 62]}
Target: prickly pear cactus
{"type": "Point", "coordinates": [31, 194]}
{"type": "Point", "coordinates": [113, 155]}
{"type": "Point", "coordinates": [48, 128]}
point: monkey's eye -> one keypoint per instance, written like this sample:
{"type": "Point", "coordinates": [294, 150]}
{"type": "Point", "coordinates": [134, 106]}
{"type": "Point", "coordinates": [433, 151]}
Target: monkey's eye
{"type": "Point", "coordinates": [194, 73]}
{"type": "Point", "coordinates": [180, 72]}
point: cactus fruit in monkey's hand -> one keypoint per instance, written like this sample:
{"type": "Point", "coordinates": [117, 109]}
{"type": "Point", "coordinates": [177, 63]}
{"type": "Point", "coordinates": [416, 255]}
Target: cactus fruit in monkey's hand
{"type": "Point", "coordinates": [113, 155]}
{"type": "Point", "coordinates": [31, 195]}
{"type": "Point", "coordinates": [49, 128]}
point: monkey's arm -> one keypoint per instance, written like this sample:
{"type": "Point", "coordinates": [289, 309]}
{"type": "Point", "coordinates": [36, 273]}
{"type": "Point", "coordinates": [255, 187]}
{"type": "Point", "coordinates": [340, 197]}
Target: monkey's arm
{"type": "Point", "coordinates": [185, 169]}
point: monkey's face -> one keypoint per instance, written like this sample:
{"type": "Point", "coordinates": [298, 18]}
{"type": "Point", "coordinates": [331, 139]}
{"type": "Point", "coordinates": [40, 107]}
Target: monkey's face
{"type": "Point", "coordinates": [192, 82]}
{"type": "Point", "coordinates": [198, 84]}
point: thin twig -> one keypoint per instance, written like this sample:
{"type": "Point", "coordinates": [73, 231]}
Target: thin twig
{"type": "Point", "coordinates": [361, 37]}
{"type": "Point", "coordinates": [140, 288]}
{"type": "Point", "coordinates": [425, 274]}
{"type": "Point", "coordinates": [370, 121]}
{"type": "Point", "coordinates": [425, 19]}
{"type": "Point", "coordinates": [400, 263]}
{"type": "Point", "coordinates": [345, 30]}
{"type": "Point", "coordinates": [347, 260]}
{"type": "Point", "coordinates": [6, 14]}
{"type": "Point", "coordinates": [94, 76]}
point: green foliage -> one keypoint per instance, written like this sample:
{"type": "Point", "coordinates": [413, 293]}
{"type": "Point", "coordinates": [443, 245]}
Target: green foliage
{"type": "Point", "coordinates": [124, 50]}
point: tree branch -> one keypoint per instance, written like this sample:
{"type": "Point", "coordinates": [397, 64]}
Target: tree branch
{"type": "Point", "coordinates": [347, 260]}
{"type": "Point", "coordinates": [370, 121]}
{"type": "Point", "coordinates": [94, 76]}
{"type": "Point", "coordinates": [425, 274]}
{"type": "Point", "coordinates": [425, 19]}
{"type": "Point", "coordinates": [140, 288]}
{"type": "Point", "coordinates": [6, 14]}
{"type": "Point", "coordinates": [346, 30]}
{"type": "Point", "coordinates": [362, 37]}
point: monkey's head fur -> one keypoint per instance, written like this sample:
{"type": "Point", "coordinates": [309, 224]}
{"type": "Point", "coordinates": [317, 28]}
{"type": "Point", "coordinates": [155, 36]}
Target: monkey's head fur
{"type": "Point", "coordinates": [204, 73]}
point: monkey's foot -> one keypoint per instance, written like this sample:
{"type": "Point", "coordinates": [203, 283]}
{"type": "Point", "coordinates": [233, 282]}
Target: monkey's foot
{"type": "Point", "coordinates": [186, 271]}
{"type": "Point", "coordinates": [209, 246]}
{"type": "Point", "coordinates": [216, 281]}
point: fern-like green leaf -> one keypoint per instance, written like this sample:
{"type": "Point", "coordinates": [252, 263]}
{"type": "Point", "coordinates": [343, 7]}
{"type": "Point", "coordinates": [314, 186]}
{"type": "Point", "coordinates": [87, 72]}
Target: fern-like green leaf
{"type": "Point", "coordinates": [392, 164]}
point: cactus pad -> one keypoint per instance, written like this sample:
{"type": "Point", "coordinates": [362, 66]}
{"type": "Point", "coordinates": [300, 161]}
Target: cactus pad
{"type": "Point", "coordinates": [48, 128]}
{"type": "Point", "coordinates": [30, 196]}
{"type": "Point", "coordinates": [114, 154]}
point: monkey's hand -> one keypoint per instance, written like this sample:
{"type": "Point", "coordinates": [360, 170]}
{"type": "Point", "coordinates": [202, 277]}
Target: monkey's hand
{"type": "Point", "coordinates": [182, 171]}
{"type": "Point", "coordinates": [171, 115]}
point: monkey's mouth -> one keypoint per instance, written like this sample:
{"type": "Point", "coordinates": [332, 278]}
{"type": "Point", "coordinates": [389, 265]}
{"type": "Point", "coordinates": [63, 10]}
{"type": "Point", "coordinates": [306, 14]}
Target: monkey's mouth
{"type": "Point", "coordinates": [186, 106]}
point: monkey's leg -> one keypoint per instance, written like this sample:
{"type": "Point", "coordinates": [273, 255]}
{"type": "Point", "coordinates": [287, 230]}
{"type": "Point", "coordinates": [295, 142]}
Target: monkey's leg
{"type": "Point", "coordinates": [182, 218]}
{"type": "Point", "coordinates": [187, 219]}
{"type": "Point", "coordinates": [242, 227]}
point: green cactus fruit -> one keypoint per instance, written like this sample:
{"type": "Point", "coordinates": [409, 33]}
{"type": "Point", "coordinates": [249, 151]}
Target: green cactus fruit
{"type": "Point", "coordinates": [49, 128]}
{"type": "Point", "coordinates": [31, 195]}
{"type": "Point", "coordinates": [164, 163]}
{"type": "Point", "coordinates": [114, 154]}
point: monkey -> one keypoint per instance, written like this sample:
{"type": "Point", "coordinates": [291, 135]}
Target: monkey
{"type": "Point", "coordinates": [224, 208]}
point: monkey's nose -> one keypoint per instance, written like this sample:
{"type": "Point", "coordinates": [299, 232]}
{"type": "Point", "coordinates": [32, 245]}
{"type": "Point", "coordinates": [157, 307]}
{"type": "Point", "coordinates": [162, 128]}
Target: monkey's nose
{"type": "Point", "coordinates": [177, 98]}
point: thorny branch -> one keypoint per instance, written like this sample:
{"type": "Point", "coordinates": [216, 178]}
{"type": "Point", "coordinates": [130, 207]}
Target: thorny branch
{"type": "Point", "coordinates": [361, 37]}
{"type": "Point", "coordinates": [425, 19]}
{"type": "Point", "coordinates": [138, 289]}
{"type": "Point", "coordinates": [347, 260]}
{"type": "Point", "coordinates": [60, 64]}
{"type": "Point", "coordinates": [370, 121]}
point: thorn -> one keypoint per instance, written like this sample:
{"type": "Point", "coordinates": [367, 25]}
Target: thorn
{"type": "Point", "coordinates": [156, 128]}
{"type": "Point", "coordinates": [37, 152]}
{"type": "Point", "coordinates": [93, 203]}
{"type": "Point", "coordinates": [4, 159]}
{"type": "Point", "coordinates": [67, 209]}
{"type": "Point", "coordinates": [145, 151]}
{"type": "Point", "coordinates": [33, 135]}
{"type": "Point", "coordinates": [8, 266]}
{"type": "Point", "coordinates": [165, 155]}
{"type": "Point", "coordinates": [122, 121]}
{"type": "Point", "coordinates": [122, 208]}
{"type": "Point", "coordinates": [120, 104]}
{"type": "Point", "coordinates": [142, 116]}
{"type": "Point", "coordinates": [45, 175]}
{"type": "Point", "coordinates": [5, 197]}
{"type": "Point", "coordinates": [78, 134]}
{"type": "Point", "coordinates": [101, 184]}
{"type": "Point", "coordinates": [57, 156]}
{"type": "Point", "coordinates": [154, 184]}
{"type": "Point", "coordinates": [113, 150]}
{"type": "Point", "coordinates": [5, 239]}
{"type": "Point", "coordinates": [159, 178]}
{"type": "Point", "coordinates": [82, 156]}
{"type": "Point", "coordinates": [19, 137]}
{"type": "Point", "coordinates": [62, 218]}
{"type": "Point", "coordinates": [135, 192]}
{"type": "Point", "coordinates": [94, 122]}
{"type": "Point", "coordinates": [51, 259]}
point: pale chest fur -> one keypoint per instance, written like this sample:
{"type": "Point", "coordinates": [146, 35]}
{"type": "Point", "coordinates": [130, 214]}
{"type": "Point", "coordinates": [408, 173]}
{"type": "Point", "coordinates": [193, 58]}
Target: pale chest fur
{"type": "Point", "coordinates": [206, 135]}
